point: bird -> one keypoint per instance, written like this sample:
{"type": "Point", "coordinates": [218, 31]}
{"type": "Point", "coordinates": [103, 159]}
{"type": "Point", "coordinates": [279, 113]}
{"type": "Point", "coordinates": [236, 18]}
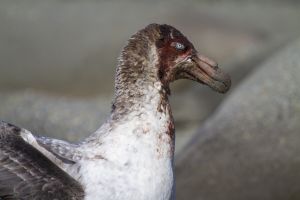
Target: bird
{"type": "Point", "coordinates": [131, 155]}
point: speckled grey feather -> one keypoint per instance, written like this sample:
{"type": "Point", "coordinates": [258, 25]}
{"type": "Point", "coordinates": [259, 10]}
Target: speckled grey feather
{"type": "Point", "coordinates": [27, 174]}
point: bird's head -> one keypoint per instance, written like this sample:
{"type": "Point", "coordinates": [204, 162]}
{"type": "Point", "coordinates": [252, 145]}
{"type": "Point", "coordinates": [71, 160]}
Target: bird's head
{"type": "Point", "coordinates": [161, 52]}
{"type": "Point", "coordinates": [178, 59]}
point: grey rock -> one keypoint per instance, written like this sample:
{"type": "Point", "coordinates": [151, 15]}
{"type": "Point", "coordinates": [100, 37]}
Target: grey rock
{"type": "Point", "coordinates": [58, 117]}
{"type": "Point", "coordinates": [250, 148]}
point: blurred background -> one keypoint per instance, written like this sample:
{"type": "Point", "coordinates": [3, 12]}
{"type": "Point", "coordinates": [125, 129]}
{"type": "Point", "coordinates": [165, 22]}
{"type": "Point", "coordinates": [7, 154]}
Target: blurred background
{"type": "Point", "coordinates": [57, 65]}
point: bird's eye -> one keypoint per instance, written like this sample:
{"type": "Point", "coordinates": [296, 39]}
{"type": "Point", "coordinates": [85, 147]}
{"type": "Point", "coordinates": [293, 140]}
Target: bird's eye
{"type": "Point", "coordinates": [178, 46]}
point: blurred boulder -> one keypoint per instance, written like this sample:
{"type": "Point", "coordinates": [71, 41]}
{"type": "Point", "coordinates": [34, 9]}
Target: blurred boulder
{"type": "Point", "coordinates": [250, 148]}
{"type": "Point", "coordinates": [50, 115]}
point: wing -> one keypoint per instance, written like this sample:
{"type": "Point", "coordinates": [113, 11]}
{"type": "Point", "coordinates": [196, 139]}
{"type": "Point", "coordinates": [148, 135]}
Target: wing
{"type": "Point", "coordinates": [64, 151]}
{"type": "Point", "coordinates": [25, 173]}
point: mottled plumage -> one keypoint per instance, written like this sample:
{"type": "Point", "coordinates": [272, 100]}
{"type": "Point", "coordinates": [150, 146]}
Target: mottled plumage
{"type": "Point", "coordinates": [25, 173]}
{"type": "Point", "coordinates": [131, 155]}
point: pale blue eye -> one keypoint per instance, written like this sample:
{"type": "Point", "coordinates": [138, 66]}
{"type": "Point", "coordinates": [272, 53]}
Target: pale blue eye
{"type": "Point", "coordinates": [179, 46]}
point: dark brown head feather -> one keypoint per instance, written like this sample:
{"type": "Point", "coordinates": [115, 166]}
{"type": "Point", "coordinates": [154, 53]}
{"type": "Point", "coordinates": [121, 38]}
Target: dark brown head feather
{"type": "Point", "coordinates": [160, 53]}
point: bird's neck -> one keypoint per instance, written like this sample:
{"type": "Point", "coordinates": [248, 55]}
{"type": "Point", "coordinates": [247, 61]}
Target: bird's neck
{"type": "Point", "coordinates": [137, 78]}
{"type": "Point", "coordinates": [140, 95]}
{"type": "Point", "coordinates": [141, 122]}
{"type": "Point", "coordinates": [141, 106]}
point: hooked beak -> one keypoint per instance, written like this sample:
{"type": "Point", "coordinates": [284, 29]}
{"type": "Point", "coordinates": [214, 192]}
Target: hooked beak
{"type": "Point", "coordinates": [205, 70]}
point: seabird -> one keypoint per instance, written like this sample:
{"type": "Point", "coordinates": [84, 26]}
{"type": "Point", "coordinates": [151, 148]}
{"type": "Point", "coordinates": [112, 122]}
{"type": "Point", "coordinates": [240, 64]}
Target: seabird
{"type": "Point", "coordinates": [131, 156]}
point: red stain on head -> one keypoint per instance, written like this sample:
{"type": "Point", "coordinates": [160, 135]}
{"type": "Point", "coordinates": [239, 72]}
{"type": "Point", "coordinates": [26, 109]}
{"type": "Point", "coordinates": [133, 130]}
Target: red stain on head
{"type": "Point", "coordinates": [172, 46]}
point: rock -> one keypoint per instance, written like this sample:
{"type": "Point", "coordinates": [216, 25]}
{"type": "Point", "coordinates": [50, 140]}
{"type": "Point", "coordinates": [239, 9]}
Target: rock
{"type": "Point", "coordinates": [53, 116]}
{"type": "Point", "coordinates": [250, 148]}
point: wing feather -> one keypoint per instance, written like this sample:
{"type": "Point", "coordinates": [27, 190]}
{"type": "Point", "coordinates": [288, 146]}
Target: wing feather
{"type": "Point", "coordinates": [25, 173]}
